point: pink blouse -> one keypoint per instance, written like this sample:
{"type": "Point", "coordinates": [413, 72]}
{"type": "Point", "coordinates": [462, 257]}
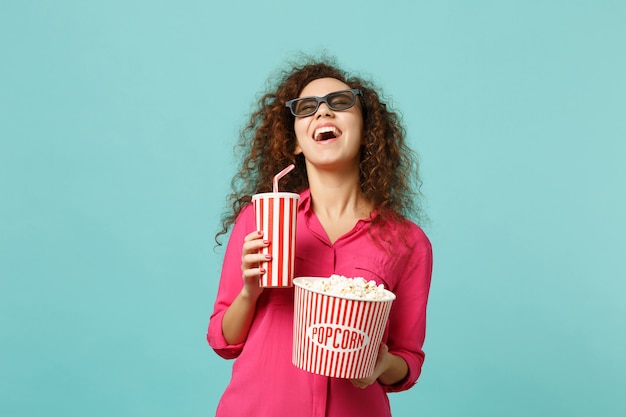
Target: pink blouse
{"type": "Point", "coordinates": [264, 382]}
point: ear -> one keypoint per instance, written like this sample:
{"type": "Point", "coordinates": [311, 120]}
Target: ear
{"type": "Point", "coordinates": [298, 150]}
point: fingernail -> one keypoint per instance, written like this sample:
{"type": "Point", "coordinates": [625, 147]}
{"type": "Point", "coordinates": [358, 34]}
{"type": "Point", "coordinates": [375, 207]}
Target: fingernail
{"type": "Point", "coordinates": [260, 232]}
{"type": "Point", "coordinates": [268, 257]}
{"type": "Point", "coordinates": [263, 270]}
{"type": "Point", "coordinates": [267, 242]}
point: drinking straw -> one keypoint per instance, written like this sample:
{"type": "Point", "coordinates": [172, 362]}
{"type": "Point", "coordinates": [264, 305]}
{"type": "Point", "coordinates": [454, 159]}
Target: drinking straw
{"type": "Point", "coordinates": [282, 174]}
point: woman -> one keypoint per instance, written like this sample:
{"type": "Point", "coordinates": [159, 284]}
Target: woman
{"type": "Point", "coordinates": [357, 181]}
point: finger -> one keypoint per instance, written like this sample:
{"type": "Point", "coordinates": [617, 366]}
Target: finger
{"type": "Point", "coordinates": [254, 245]}
{"type": "Point", "coordinates": [252, 273]}
{"type": "Point", "coordinates": [359, 383]}
{"type": "Point", "coordinates": [254, 257]}
{"type": "Point", "coordinates": [257, 234]}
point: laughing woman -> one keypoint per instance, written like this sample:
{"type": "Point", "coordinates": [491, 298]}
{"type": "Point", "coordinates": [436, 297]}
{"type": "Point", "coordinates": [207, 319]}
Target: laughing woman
{"type": "Point", "coordinates": [358, 187]}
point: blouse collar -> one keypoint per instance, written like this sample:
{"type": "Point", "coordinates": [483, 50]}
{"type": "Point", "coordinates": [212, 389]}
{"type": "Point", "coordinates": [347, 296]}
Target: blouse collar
{"type": "Point", "coordinates": [305, 205]}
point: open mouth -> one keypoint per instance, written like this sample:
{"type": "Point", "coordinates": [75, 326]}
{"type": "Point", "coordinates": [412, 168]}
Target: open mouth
{"type": "Point", "coordinates": [326, 133]}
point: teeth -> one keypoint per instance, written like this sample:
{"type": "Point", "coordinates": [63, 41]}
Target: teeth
{"type": "Point", "coordinates": [326, 129]}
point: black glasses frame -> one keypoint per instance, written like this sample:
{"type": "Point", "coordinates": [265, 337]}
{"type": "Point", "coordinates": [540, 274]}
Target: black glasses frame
{"type": "Point", "coordinates": [292, 103]}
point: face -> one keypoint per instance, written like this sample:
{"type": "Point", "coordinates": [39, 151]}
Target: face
{"type": "Point", "coordinates": [329, 139]}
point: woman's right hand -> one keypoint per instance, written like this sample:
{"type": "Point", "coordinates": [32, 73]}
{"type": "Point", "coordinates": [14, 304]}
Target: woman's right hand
{"type": "Point", "coordinates": [250, 263]}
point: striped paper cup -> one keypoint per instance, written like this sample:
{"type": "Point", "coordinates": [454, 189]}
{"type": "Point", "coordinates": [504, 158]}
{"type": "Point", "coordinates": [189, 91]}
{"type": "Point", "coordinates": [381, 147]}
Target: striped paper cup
{"type": "Point", "coordinates": [276, 215]}
{"type": "Point", "coordinates": [337, 336]}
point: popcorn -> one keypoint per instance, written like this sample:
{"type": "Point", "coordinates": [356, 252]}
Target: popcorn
{"type": "Point", "coordinates": [354, 288]}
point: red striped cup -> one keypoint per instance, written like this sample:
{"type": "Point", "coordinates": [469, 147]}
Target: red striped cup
{"type": "Point", "coordinates": [337, 336]}
{"type": "Point", "coordinates": [276, 215]}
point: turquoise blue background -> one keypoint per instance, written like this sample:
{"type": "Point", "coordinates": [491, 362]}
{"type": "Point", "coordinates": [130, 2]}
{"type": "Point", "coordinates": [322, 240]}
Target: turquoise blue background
{"type": "Point", "coordinates": [117, 121]}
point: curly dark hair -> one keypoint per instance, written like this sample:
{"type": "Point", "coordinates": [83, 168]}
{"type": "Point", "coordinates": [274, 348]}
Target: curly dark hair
{"type": "Point", "coordinates": [389, 170]}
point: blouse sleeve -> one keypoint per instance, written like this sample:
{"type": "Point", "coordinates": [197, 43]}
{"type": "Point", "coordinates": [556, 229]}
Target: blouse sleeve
{"type": "Point", "coordinates": [407, 319]}
{"type": "Point", "coordinates": [230, 285]}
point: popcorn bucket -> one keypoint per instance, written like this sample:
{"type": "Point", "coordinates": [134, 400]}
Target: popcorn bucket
{"type": "Point", "coordinates": [337, 336]}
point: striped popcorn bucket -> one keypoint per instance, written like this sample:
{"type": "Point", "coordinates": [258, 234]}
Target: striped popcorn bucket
{"type": "Point", "coordinates": [337, 336]}
{"type": "Point", "coordinates": [276, 215]}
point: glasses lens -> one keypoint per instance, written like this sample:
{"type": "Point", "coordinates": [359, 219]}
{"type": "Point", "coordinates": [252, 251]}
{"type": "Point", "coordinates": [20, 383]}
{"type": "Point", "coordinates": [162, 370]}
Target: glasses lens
{"type": "Point", "coordinates": [305, 106]}
{"type": "Point", "coordinates": [341, 100]}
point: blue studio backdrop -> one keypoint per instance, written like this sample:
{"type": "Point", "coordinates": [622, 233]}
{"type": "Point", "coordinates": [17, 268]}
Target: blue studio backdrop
{"type": "Point", "coordinates": [117, 123]}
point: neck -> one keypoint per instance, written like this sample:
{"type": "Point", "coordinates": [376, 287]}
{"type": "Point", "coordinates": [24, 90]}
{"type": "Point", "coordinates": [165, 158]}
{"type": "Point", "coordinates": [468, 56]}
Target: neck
{"type": "Point", "coordinates": [338, 194]}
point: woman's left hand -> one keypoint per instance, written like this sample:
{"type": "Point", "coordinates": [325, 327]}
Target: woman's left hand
{"type": "Point", "coordinates": [382, 364]}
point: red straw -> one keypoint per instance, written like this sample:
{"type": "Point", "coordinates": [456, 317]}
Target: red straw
{"type": "Point", "coordinates": [282, 174]}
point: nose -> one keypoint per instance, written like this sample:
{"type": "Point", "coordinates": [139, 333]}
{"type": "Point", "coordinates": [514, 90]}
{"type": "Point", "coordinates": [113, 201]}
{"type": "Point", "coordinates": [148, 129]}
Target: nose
{"type": "Point", "coordinates": [323, 110]}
